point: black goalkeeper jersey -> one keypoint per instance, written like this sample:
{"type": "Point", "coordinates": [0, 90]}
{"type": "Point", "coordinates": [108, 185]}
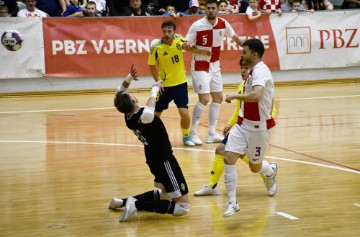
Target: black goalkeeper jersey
{"type": "Point", "coordinates": [153, 135]}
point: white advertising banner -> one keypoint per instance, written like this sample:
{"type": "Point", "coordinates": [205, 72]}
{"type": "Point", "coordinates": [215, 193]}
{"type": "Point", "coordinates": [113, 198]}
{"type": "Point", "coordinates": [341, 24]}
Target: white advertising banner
{"type": "Point", "coordinates": [326, 39]}
{"type": "Point", "coordinates": [28, 61]}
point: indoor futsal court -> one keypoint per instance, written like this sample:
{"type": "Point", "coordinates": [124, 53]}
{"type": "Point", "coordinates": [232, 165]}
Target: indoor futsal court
{"type": "Point", "coordinates": [64, 157]}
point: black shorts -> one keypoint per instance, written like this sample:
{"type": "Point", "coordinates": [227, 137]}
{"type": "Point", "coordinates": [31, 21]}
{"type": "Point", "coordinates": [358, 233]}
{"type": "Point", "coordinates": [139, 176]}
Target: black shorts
{"type": "Point", "coordinates": [178, 94]}
{"type": "Point", "coordinates": [168, 176]}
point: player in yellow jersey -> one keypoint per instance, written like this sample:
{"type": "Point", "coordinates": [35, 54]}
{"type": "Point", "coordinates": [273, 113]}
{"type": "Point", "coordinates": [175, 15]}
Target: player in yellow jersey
{"type": "Point", "coordinates": [167, 54]}
{"type": "Point", "coordinates": [218, 162]}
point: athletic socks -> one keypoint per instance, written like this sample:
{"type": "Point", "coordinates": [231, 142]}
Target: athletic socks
{"type": "Point", "coordinates": [266, 168]}
{"type": "Point", "coordinates": [196, 115]}
{"type": "Point", "coordinates": [230, 179]}
{"type": "Point", "coordinates": [213, 116]}
{"type": "Point", "coordinates": [216, 170]}
{"type": "Point", "coordinates": [152, 195]}
{"type": "Point", "coordinates": [158, 206]}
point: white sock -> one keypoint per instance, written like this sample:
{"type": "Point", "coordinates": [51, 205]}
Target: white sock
{"type": "Point", "coordinates": [266, 168]}
{"type": "Point", "coordinates": [213, 116]}
{"type": "Point", "coordinates": [196, 115]}
{"type": "Point", "coordinates": [230, 179]}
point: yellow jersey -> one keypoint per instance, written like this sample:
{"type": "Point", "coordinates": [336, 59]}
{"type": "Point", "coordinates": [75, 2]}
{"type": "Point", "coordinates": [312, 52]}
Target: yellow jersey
{"type": "Point", "coordinates": [170, 60]}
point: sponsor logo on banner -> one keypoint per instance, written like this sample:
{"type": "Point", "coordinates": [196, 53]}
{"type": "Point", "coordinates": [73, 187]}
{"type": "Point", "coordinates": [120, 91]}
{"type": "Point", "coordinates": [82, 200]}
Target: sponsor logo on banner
{"type": "Point", "coordinates": [110, 45]}
{"type": "Point", "coordinates": [298, 40]}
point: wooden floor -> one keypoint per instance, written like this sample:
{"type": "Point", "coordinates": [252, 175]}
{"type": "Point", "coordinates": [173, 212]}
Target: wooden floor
{"type": "Point", "coordinates": [62, 159]}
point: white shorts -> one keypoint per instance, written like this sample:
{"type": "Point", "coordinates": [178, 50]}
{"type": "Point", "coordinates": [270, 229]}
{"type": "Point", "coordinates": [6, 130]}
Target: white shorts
{"type": "Point", "coordinates": [206, 82]}
{"type": "Point", "coordinates": [251, 143]}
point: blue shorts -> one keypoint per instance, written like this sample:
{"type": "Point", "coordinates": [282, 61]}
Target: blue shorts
{"type": "Point", "coordinates": [224, 141]}
{"type": "Point", "coordinates": [179, 94]}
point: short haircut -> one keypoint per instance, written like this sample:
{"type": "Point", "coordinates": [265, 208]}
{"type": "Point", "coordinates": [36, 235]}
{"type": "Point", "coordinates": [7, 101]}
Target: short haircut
{"type": "Point", "coordinates": [91, 3]}
{"type": "Point", "coordinates": [212, 1]}
{"type": "Point", "coordinates": [224, 1]}
{"type": "Point", "coordinates": [168, 23]}
{"type": "Point", "coordinates": [123, 102]}
{"type": "Point", "coordinates": [255, 45]}
{"type": "Point", "coordinates": [3, 7]}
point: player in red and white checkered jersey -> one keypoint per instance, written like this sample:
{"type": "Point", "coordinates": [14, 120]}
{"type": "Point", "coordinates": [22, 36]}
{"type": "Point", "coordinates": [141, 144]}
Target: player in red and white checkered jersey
{"type": "Point", "coordinates": [270, 6]}
{"type": "Point", "coordinates": [208, 33]}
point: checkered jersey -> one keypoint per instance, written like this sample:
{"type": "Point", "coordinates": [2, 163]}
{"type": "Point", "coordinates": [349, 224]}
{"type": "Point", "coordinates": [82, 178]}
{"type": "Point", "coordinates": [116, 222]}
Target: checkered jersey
{"type": "Point", "coordinates": [272, 5]}
{"type": "Point", "coordinates": [208, 37]}
{"type": "Point", "coordinates": [257, 115]}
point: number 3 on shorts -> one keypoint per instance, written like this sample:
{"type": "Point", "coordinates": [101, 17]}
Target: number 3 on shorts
{"type": "Point", "coordinates": [258, 149]}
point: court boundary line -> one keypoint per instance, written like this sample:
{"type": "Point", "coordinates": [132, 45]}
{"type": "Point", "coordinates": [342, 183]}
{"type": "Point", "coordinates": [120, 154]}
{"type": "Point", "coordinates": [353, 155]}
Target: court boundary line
{"type": "Point", "coordinates": [105, 108]}
{"type": "Point", "coordinates": [177, 148]}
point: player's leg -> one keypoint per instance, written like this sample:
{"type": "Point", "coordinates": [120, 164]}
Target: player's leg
{"type": "Point", "coordinates": [217, 170]}
{"type": "Point", "coordinates": [258, 143]}
{"type": "Point", "coordinates": [181, 100]}
{"type": "Point", "coordinates": [216, 88]}
{"type": "Point", "coordinates": [201, 86]}
{"type": "Point", "coordinates": [235, 147]}
{"type": "Point", "coordinates": [152, 195]}
{"type": "Point", "coordinates": [246, 160]}
{"type": "Point", "coordinates": [168, 176]}
{"type": "Point", "coordinates": [185, 126]}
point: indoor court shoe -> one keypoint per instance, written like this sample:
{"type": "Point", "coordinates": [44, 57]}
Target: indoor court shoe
{"type": "Point", "coordinates": [214, 138]}
{"type": "Point", "coordinates": [207, 191]}
{"type": "Point", "coordinates": [195, 139]}
{"type": "Point", "coordinates": [130, 209]}
{"type": "Point", "coordinates": [270, 181]}
{"type": "Point", "coordinates": [231, 209]}
{"type": "Point", "coordinates": [187, 141]}
{"type": "Point", "coordinates": [115, 203]}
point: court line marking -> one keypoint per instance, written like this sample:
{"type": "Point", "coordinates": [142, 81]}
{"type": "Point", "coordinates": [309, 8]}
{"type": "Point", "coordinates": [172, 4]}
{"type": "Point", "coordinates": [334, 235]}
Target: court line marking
{"type": "Point", "coordinates": [291, 217]}
{"type": "Point", "coordinates": [177, 148]}
{"type": "Point", "coordinates": [104, 108]}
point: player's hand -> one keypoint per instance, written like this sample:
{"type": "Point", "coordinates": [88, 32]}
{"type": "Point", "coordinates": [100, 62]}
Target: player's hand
{"type": "Point", "coordinates": [134, 72]}
{"type": "Point", "coordinates": [159, 84]}
{"type": "Point", "coordinates": [226, 130]}
{"type": "Point", "coordinates": [206, 52]}
{"type": "Point", "coordinates": [229, 97]}
{"type": "Point", "coordinates": [187, 46]}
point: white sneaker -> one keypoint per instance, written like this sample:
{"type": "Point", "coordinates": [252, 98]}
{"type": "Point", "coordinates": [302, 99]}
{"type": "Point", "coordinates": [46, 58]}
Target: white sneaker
{"type": "Point", "coordinates": [214, 138]}
{"type": "Point", "coordinates": [207, 191]}
{"type": "Point", "coordinates": [187, 141]}
{"type": "Point", "coordinates": [115, 203]}
{"type": "Point", "coordinates": [270, 181]}
{"type": "Point", "coordinates": [195, 139]}
{"type": "Point", "coordinates": [231, 208]}
{"type": "Point", "coordinates": [130, 209]}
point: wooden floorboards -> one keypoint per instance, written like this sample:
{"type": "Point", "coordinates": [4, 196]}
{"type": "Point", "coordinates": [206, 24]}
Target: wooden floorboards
{"type": "Point", "coordinates": [62, 159]}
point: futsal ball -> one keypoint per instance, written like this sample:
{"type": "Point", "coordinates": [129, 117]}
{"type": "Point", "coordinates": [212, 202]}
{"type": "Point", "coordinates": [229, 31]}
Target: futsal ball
{"type": "Point", "coordinates": [12, 40]}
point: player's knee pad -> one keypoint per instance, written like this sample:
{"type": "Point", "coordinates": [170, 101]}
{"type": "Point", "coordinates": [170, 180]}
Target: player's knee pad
{"type": "Point", "coordinates": [181, 209]}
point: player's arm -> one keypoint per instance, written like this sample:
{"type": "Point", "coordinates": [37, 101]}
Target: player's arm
{"type": "Point", "coordinates": [154, 72]}
{"type": "Point", "coordinates": [133, 75]}
{"type": "Point", "coordinates": [254, 96]}
{"type": "Point", "coordinates": [238, 40]}
{"type": "Point", "coordinates": [153, 57]}
{"type": "Point", "coordinates": [149, 110]}
{"type": "Point", "coordinates": [193, 49]}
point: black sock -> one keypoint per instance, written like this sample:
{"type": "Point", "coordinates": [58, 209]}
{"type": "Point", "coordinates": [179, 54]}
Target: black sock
{"type": "Point", "coordinates": [152, 195]}
{"type": "Point", "coordinates": [158, 206]}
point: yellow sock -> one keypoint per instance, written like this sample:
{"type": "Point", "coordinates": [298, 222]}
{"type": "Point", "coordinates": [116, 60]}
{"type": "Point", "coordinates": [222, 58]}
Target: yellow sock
{"type": "Point", "coordinates": [185, 131]}
{"type": "Point", "coordinates": [217, 170]}
{"type": "Point", "coordinates": [246, 160]}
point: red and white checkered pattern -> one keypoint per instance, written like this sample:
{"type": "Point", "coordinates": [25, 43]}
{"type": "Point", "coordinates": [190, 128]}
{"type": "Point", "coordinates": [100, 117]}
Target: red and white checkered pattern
{"type": "Point", "coordinates": [272, 5]}
{"type": "Point", "coordinates": [208, 37]}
